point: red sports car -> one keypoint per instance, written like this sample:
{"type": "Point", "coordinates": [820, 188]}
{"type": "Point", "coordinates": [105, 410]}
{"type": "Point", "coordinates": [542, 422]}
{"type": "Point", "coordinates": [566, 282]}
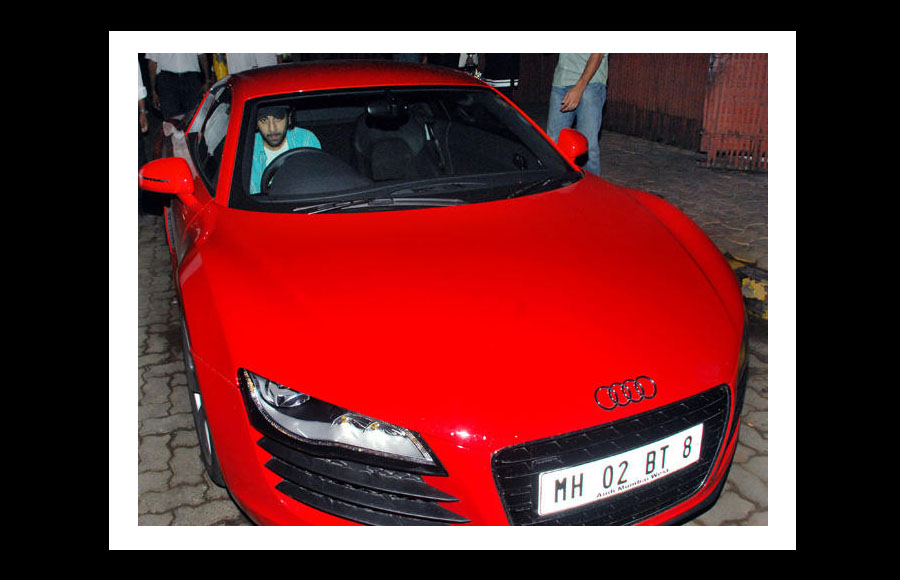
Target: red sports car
{"type": "Point", "coordinates": [403, 304]}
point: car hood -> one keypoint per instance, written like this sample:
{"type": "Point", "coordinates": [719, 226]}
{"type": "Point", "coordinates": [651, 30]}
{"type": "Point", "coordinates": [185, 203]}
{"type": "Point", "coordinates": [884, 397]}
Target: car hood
{"type": "Point", "coordinates": [490, 323]}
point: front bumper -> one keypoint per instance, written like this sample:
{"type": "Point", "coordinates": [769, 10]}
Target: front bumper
{"type": "Point", "coordinates": [275, 484]}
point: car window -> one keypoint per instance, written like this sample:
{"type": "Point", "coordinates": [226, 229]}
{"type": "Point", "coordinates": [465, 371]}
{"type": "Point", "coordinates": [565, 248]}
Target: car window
{"type": "Point", "coordinates": [384, 149]}
{"type": "Point", "coordinates": [210, 140]}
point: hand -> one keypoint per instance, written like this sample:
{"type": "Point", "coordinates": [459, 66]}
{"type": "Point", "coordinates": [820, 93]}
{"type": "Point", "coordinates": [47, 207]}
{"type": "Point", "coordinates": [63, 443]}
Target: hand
{"type": "Point", "coordinates": [142, 120]}
{"type": "Point", "coordinates": [572, 99]}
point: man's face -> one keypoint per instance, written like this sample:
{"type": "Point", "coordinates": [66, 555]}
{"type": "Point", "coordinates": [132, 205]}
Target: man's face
{"type": "Point", "coordinates": [272, 130]}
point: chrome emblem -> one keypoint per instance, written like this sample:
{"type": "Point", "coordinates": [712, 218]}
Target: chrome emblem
{"type": "Point", "coordinates": [620, 394]}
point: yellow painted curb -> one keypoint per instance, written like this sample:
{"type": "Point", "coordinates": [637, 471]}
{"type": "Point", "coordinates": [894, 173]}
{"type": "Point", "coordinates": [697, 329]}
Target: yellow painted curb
{"type": "Point", "coordinates": [754, 286]}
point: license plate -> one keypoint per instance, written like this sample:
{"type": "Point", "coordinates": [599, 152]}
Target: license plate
{"type": "Point", "coordinates": [570, 487]}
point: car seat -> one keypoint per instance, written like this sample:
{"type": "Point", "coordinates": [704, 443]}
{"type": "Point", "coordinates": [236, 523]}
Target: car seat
{"type": "Point", "coordinates": [391, 148]}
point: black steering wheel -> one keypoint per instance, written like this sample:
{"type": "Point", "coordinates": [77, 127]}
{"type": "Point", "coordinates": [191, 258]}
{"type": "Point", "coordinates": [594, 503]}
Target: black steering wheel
{"type": "Point", "coordinates": [276, 164]}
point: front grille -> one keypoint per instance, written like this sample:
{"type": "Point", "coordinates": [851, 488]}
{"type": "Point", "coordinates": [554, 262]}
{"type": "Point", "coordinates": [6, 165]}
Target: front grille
{"type": "Point", "coordinates": [517, 469]}
{"type": "Point", "coordinates": [358, 492]}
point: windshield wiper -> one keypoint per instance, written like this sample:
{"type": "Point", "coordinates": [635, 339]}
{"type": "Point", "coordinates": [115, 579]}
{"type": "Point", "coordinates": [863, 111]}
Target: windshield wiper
{"type": "Point", "coordinates": [403, 195]}
{"type": "Point", "coordinates": [555, 180]}
{"type": "Point", "coordinates": [387, 202]}
{"type": "Point", "coordinates": [432, 187]}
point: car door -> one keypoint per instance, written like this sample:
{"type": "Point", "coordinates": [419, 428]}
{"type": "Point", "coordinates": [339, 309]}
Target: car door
{"type": "Point", "coordinates": [202, 147]}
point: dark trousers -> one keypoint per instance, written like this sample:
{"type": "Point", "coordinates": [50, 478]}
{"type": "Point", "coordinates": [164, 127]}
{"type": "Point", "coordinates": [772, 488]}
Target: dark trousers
{"type": "Point", "coordinates": [179, 94]}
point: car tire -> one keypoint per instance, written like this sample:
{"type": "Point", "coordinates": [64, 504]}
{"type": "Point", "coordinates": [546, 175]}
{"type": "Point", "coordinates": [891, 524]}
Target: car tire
{"type": "Point", "coordinates": [198, 411]}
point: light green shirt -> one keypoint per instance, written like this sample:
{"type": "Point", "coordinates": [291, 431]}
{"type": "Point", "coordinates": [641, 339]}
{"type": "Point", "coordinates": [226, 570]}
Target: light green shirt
{"type": "Point", "coordinates": [571, 66]}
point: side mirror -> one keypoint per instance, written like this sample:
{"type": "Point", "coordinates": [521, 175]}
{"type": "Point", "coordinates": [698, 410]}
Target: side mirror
{"type": "Point", "coordinates": [168, 175]}
{"type": "Point", "coordinates": [572, 144]}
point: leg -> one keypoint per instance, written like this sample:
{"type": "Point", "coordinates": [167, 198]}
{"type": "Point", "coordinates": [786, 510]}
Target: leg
{"type": "Point", "coordinates": [191, 85]}
{"type": "Point", "coordinates": [590, 117]}
{"type": "Point", "coordinates": [167, 89]}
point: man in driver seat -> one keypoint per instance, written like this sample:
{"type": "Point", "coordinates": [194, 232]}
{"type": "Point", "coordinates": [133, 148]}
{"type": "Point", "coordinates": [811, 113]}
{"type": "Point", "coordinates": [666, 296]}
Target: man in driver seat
{"type": "Point", "coordinates": [275, 136]}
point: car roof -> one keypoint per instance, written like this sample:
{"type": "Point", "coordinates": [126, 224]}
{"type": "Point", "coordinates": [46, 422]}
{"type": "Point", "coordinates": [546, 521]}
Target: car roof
{"type": "Point", "coordinates": [338, 74]}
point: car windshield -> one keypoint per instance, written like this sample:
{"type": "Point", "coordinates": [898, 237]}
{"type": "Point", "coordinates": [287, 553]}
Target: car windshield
{"type": "Point", "coordinates": [387, 149]}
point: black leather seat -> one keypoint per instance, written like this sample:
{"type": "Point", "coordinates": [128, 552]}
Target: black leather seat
{"type": "Point", "coordinates": [390, 149]}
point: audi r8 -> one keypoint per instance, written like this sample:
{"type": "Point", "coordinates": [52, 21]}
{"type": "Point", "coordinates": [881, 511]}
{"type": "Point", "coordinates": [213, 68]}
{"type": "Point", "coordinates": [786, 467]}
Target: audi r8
{"type": "Point", "coordinates": [404, 304]}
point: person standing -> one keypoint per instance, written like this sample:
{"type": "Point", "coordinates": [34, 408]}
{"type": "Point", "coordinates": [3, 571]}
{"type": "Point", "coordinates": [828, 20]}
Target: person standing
{"type": "Point", "coordinates": [177, 81]}
{"type": "Point", "coordinates": [577, 97]}
{"type": "Point", "coordinates": [501, 71]}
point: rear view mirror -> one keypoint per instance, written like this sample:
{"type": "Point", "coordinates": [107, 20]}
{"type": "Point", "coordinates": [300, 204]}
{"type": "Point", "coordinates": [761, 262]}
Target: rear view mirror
{"type": "Point", "coordinates": [168, 175]}
{"type": "Point", "coordinates": [572, 144]}
{"type": "Point", "coordinates": [387, 108]}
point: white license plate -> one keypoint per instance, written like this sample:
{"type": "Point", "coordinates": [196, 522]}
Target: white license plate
{"type": "Point", "coordinates": [570, 487]}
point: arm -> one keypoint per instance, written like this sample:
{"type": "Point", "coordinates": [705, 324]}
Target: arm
{"type": "Point", "coordinates": [573, 96]}
{"type": "Point", "coordinates": [142, 117]}
{"type": "Point", "coordinates": [204, 69]}
{"type": "Point", "coordinates": [151, 72]}
{"type": "Point", "coordinates": [142, 94]}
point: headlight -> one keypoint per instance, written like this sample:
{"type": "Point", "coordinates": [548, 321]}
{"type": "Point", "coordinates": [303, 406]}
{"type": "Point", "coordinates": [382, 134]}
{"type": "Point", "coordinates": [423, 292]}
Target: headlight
{"type": "Point", "coordinates": [309, 420]}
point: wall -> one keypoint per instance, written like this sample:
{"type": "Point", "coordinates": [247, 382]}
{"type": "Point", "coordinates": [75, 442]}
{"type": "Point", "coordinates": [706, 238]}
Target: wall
{"type": "Point", "coordinates": [716, 104]}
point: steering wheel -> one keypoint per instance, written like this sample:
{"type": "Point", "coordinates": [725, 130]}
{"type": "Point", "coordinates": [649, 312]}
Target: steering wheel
{"type": "Point", "coordinates": [276, 164]}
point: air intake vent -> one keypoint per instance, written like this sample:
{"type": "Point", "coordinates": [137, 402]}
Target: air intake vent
{"type": "Point", "coordinates": [358, 492]}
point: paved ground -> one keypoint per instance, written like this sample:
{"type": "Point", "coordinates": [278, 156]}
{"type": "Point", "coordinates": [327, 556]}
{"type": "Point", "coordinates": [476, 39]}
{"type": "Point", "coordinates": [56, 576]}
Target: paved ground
{"type": "Point", "coordinates": [731, 207]}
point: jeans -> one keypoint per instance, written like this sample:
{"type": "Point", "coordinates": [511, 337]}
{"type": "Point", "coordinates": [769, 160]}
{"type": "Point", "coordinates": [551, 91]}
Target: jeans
{"type": "Point", "coordinates": [587, 118]}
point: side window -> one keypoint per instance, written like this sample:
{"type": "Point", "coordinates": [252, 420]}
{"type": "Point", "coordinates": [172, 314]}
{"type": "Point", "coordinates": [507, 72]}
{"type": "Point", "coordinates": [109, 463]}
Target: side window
{"type": "Point", "coordinates": [211, 139]}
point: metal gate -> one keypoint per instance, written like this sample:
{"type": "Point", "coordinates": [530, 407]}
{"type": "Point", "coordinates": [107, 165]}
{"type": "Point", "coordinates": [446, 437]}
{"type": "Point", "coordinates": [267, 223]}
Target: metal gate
{"type": "Point", "coordinates": [736, 112]}
{"type": "Point", "coordinates": [657, 97]}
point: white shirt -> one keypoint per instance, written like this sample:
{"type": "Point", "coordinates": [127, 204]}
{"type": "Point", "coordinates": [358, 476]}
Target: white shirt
{"type": "Point", "coordinates": [464, 56]}
{"type": "Point", "coordinates": [270, 154]}
{"type": "Point", "coordinates": [175, 62]}
{"type": "Point", "coordinates": [142, 90]}
{"type": "Point", "coordinates": [241, 61]}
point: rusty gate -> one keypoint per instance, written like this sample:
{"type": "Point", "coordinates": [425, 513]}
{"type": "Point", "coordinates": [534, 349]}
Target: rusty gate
{"type": "Point", "coordinates": [716, 104]}
{"type": "Point", "coordinates": [736, 112]}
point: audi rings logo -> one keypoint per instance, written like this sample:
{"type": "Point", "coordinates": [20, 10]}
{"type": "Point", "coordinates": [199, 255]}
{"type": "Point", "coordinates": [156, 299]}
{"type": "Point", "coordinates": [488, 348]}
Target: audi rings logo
{"type": "Point", "coordinates": [620, 394]}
